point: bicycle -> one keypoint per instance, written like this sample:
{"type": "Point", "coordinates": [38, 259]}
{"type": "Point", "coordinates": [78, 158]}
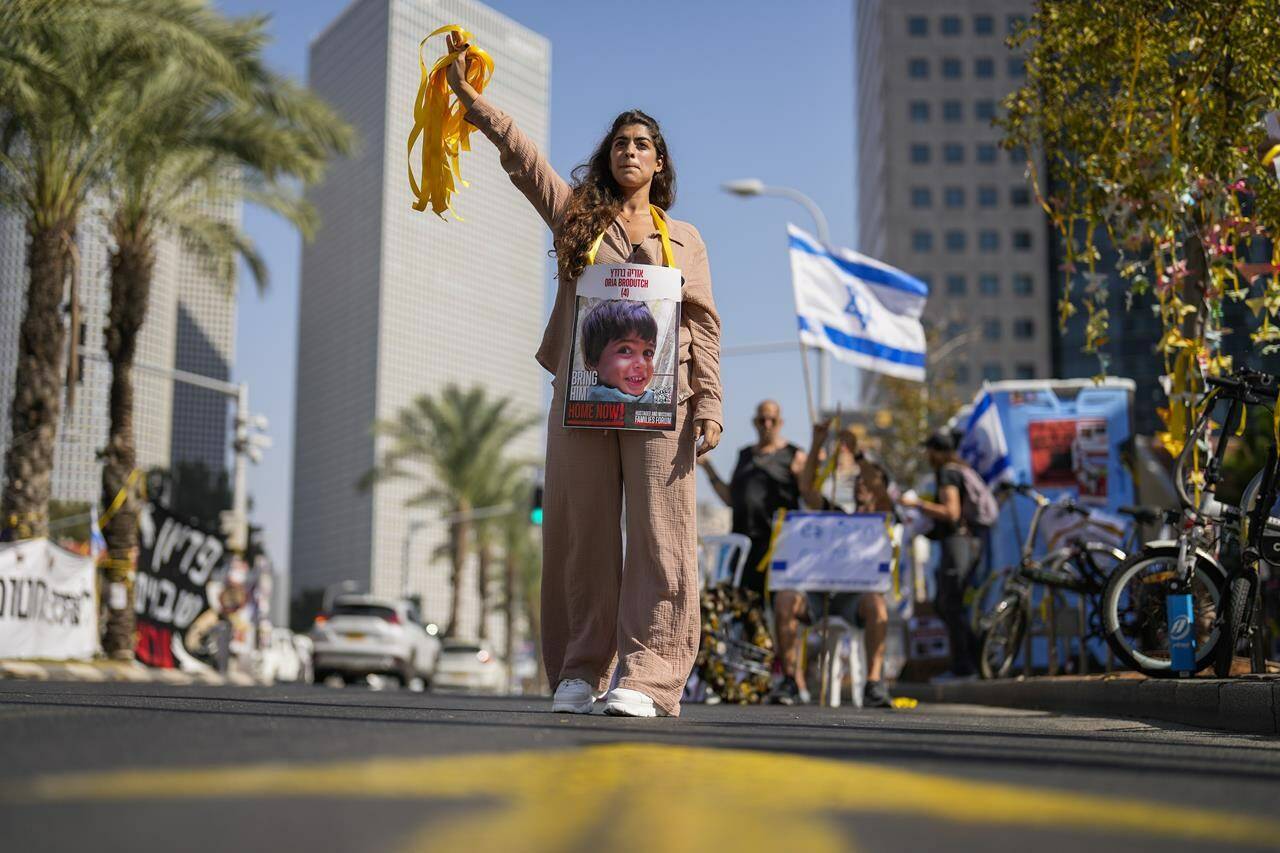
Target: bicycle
{"type": "Point", "coordinates": [1079, 567]}
{"type": "Point", "coordinates": [1172, 609]}
{"type": "Point", "coordinates": [983, 598]}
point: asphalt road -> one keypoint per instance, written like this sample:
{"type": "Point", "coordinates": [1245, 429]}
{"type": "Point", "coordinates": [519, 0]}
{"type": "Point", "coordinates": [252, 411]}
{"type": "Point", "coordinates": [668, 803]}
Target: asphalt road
{"type": "Point", "coordinates": [118, 767]}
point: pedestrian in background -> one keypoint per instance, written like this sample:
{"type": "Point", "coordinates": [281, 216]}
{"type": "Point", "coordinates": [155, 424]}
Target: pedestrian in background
{"type": "Point", "coordinates": [600, 608]}
{"type": "Point", "coordinates": [961, 548]}
{"type": "Point", "coordinates": [765, 479]}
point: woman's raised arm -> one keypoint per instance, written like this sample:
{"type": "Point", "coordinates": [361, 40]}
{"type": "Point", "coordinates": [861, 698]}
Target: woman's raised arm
{"type": "Point", "coordinates": [521, 159]}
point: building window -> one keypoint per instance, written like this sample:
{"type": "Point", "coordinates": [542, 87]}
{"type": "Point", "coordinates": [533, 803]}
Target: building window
{"type": "Point", "coordinates": [1022, 240]}
{"type": "Point", "coordinates": [1020, 197]}
{"type": "Point", "coordinates": [1025, 371]}
{"type": "Point", "coordinates": [922, 241]}
{"type": "Point", "coordinates": [1023, 284]}
{"type": "Point", "coordinates": [919, 111]}
{"type": "Point", "coordinates": [921, 197]}
{"type": "Point", "coordinates": [987, 152]}
{"type": "Point", "coordinates": [992, 372]}
{"type": "Point", "coordinates": [956, 285]}
{"type": "Point", "coordinates": [955, 241]}
{"type": "Point", "coordinates": [1017, 66]}
{"type": "Point", "coordinates": [917, 25]}
{"type": "Point", "coordinates": [984, 67]}
{"type": "Point", "coordinates": [1024, 328]}
{"type": "Point", "coordinates": [927, 278]}
{"type": "Point", "coordinates": [991, 329]}
{"type": "Point", "coordinates": [1015, 23]}
{"type": "Point", "coordinates": [984, 110]}
{"type": "Point", "coordinates": [989, 284]}
{"type": "Point", "coordinates": [1017, 155]}
{"type": "Point", "coordinates": [955, 329]}
{"type": "Point", "coordinates": [952, 111]}
{"type": "Point", "coordinates": [962, 374]}
{"type": "Point", "coordinates": [983, 25]}
{"type": "Point", "coordinates": [919, 153]}
{"type": "Point", "coordinates": [987, 197]}
{"type": "Point", "coordinates": [988, 240]}
{"type": "Point", "coordinates": [951, 68]}
{"type": "Point", "coordinates": [953, 152]}
{"type": "Point", "coordinates": [953, 197]}
{"type": "Point", "coordinates": [918, 69]}
{"type": "Point", "coordinates": [949, 25]}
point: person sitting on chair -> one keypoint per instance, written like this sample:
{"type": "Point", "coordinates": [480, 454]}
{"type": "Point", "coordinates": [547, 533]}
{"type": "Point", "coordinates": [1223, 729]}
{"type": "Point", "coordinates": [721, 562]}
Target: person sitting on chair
{"type": "Point", "coordinates": [861, 484]}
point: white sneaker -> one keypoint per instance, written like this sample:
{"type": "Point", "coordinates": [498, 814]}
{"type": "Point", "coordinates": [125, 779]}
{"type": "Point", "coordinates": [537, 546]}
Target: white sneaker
{"type": "Point", "coordinates": [573, 696]}
{"type": "Point", "coordinates": [622, 702]}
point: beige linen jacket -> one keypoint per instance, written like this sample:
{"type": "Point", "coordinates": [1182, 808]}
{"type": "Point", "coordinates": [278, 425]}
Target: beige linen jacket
{"type": "Point", "coordinates": [549, 193]}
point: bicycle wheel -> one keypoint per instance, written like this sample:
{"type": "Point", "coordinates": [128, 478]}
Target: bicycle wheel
{"type": "Point", "coordinates": [1234, 625]}
{"type": "Point", "coordinates": [986, 597]}
{"type": "Point", "coordinates": [1003, 637]}
{"type": "Point", "coordinates": [1134, 613]}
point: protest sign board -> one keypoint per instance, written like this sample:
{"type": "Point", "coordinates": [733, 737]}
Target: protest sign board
{"type": "Point", "coordinates": [832, 552]}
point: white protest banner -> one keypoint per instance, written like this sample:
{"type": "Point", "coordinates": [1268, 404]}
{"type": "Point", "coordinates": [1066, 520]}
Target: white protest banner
{"type": "Point", "coordinates": [48, 609]}
{"type": "Point", "coordinates": [832, 552]}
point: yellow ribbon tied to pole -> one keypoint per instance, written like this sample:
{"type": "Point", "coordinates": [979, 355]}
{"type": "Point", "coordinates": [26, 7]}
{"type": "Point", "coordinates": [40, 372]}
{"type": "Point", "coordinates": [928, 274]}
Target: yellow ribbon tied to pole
{"type": "Point", "coordinates": [438, 117]}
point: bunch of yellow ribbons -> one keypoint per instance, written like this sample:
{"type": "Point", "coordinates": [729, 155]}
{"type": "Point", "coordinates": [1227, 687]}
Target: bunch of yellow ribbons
{"type": "Point", "coordinates": [438, 119]}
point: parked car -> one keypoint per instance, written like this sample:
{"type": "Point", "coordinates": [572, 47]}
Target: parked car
{"type": "Point", "coordinates": [362, 635]}
{"type": "Point", "coordinates": [466, 665]}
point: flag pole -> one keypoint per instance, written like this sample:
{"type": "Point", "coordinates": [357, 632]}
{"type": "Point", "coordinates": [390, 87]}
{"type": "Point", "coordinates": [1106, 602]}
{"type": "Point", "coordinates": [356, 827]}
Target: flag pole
{"type": "Point", "coordinates": [808, 382]}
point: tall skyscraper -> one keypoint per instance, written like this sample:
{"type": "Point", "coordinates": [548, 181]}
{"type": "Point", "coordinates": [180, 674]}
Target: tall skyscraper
{"type": "Point", "coordinates": [396, 303]}
{"type": "Point", "coordinates": [937, 196]}
{"type": "Point", "coordinates": [189, 313]}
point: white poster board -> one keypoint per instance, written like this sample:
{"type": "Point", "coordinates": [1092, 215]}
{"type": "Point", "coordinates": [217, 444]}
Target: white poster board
{"type": "Point", "coordinates": [48, 606]}
{"type": "Point", "coordinates": [832, 552]}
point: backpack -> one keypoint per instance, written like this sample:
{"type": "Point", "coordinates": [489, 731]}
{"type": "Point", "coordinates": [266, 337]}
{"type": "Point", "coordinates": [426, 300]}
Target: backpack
{"type": "Point", "coordinates": [978, 506]}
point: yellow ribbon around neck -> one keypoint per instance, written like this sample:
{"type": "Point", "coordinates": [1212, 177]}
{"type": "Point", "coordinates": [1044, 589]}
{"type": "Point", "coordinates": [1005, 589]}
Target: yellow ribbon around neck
{"type": "Point", "coordinates": [439, 118]}
{"type": "Point", "coordinates": [668, 257]}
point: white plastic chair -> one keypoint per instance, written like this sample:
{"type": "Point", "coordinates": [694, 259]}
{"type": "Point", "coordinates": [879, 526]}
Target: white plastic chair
{"type": "Point", "coordinates": [721, 557]}
{"type": "Point", "coordinates": [845, 647]}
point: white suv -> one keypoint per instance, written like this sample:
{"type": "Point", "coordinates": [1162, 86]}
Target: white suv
{"type": "Point", "coordinates": [362, 635]}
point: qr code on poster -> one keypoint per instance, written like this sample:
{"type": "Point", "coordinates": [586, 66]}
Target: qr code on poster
{"type": "Point", "coordinates": [662, 395]}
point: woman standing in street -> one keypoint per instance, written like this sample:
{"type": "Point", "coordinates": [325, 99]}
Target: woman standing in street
{"type": "Point", "coordinates": [600, 608]}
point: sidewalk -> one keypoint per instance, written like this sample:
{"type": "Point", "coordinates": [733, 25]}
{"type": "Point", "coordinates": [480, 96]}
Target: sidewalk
{"type": "Point", "coordinates": [115, 671]}
{"type": "Point", "coordinates": [1248, 704]}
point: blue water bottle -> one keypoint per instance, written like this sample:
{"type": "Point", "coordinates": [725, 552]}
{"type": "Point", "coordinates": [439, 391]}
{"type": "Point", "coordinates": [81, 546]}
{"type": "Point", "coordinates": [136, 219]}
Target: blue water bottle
{"type": "Point", "coordinates": [1182, 639]}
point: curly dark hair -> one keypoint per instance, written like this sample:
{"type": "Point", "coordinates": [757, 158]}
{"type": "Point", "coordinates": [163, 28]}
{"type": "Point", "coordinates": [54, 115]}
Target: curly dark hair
{"type": "Point", "coordinates": [597, 198]}
{"type": "Point", "coordinates": [612, 319]}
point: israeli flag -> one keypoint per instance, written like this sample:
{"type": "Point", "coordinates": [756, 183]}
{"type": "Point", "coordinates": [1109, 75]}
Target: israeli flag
{"type": "Point", "coordinates": [983, 446]}
{"type": "Point", "coordinates": [862, 311]}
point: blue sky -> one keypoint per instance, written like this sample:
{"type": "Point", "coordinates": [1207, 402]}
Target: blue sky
{"type": "Point", "coordinates": [742, 90]}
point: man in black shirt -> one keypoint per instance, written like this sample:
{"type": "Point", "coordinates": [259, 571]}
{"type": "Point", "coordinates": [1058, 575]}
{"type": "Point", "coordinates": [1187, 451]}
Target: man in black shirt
{"type": "Point", "coordinates": [960, 549]}
{"type": "Point", "coordinates": [765, 480]}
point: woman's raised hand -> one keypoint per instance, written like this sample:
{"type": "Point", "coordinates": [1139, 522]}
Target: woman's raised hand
{"type": "Point", "coordinates": [456, 73]}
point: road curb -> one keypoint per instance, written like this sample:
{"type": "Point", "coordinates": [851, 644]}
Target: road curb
{"type": "Point", "coordinates": [130, 671]}
{"type": "Point", "coordinates": [1249, 704]}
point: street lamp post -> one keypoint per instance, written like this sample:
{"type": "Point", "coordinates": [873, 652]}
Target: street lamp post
{"type": "Point", "coordinates": [414, 527]}
{"type": "Point", "coordinates": [748, 187]}
{"type": "Point", "coordinates": [250, 440]}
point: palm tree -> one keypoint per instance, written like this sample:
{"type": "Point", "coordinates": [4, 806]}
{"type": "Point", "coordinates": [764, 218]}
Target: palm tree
{"type": "Point", "coordinates": [506, 483]}
{"type": "Point", "coordinates": [451, 445]}
{"type": "Point", "coordinates": [65, 69]}
{"type": "Point", "coordinates": [194, 141]}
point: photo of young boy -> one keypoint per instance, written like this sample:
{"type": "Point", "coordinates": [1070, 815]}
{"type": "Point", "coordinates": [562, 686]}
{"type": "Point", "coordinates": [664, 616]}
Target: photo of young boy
{"type": "Point", "coordinates": [619, 340]}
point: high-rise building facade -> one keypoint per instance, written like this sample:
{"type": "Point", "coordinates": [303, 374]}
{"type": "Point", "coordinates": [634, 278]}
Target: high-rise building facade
{"type": "Point", "coordinates": [937, 195]}
{"type": "Point", "coordinates": [189, 311]}
{"type": "Point", "coordinates": [396, 303]}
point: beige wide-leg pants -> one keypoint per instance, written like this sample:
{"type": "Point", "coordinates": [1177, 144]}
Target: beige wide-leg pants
{"type": "Point", "coordinates": [598, 603]}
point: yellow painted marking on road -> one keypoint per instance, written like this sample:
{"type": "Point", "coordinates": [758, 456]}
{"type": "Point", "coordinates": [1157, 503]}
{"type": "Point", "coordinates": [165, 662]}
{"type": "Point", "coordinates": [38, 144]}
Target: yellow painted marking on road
{"type": "Point", "coordinates": [660, 797]}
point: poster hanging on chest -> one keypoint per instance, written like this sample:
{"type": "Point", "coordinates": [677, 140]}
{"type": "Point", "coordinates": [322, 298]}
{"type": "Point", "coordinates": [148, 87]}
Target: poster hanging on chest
{"type": "Point", "coordinates": [625, 348]}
